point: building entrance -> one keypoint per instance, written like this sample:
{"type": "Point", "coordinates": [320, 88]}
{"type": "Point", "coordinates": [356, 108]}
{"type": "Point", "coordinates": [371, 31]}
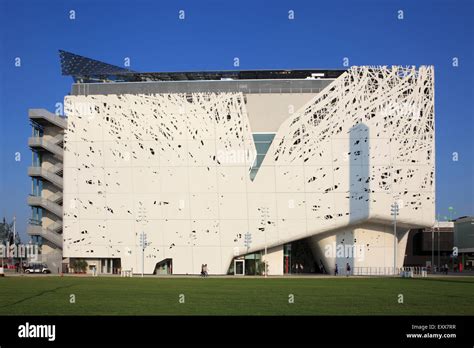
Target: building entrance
{"type": "Point", "coordinates": [239, 267]}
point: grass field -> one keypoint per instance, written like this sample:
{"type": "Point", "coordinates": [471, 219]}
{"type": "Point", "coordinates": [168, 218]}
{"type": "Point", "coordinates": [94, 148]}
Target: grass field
{"type": "Point", "coordinates": [235, 296]}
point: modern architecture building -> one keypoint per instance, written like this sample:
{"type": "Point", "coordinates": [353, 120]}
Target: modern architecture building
{"type": "Point", "coordinates": [431, 246]}
{"type": "Point", "coordinates": [464, 242]}
{"type": "Point", "coordinates": [166, 172]}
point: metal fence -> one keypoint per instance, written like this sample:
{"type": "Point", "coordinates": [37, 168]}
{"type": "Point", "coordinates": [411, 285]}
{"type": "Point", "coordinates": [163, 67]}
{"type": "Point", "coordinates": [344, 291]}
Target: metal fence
{"type": "Point", "coordinates": [390, 271]}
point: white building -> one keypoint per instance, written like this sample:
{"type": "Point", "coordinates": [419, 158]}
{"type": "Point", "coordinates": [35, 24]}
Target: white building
{"type": "Point", "coordinates": [216, 166]}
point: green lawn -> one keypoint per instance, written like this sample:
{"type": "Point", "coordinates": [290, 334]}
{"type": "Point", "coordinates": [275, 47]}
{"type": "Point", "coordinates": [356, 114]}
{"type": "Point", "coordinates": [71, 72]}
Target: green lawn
{"type": "Point", "coordinates": [239, 296]}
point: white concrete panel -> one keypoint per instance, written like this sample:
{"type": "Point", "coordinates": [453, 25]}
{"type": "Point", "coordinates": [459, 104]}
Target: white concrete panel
{"type": "Point", "coordinates": [265, 181]}
{"type": "Point", "coordinates": [209, 255]}
{"type": "Point", "coordinates": [174, 179]}
{"type": "Point", "coordinates": [91, 206]}
{"type": "Point", "coordinates": [290, 179]}
{"type": "Point", "coordinates": [233, 206]}
{"type": "Point", "coordinates": [178, 233]}
{"type": "Point", "coordinates": [144, 153]}
{"type": "Point", "coordinates": [118, 206]}
{"type": "Point", "coordinates": [207, 232]}
{"type": "Point", "coordinates": [274, 260]}
{"type": "Point", "coordinates": [175, 205]}
{"type": "Point", "coordinates": [203, 179]}
{"type": "Point", "coordinates": [291, 206]}
{"type": "Point", "coordinates": [204, 206]}
{"type": "Point", "coordinates": [232, 178]}
{"type": "Point", "coordinates": [146, 179]}
{"type": "Point", "coordinates": [233, 232]}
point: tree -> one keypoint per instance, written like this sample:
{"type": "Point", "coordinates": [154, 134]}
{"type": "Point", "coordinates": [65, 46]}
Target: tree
{"type": "Point", "coordinates": [79, 265]}
{"type": "Point", "coordinates": [6, 232]}
{"type": "Point", "coordinates": [7, 235]}
{"type": "Point", "coordinates": [260, 267]}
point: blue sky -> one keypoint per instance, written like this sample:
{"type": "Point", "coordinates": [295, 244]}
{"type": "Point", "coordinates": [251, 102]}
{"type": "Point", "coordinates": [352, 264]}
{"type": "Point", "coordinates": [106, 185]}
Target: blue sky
{"type": "Point", "coordinates": [260, 34]}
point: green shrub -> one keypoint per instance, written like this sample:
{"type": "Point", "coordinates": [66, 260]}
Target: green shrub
{"type": "Point", "coordinates": [79, 265]}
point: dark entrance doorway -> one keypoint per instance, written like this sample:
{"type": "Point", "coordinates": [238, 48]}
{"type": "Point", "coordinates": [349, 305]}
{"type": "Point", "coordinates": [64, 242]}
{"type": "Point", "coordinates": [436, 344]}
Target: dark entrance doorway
{"type": "Point", "coordinates": [164, 267]}
{"type": "Point", "coordinates": [298, 258]}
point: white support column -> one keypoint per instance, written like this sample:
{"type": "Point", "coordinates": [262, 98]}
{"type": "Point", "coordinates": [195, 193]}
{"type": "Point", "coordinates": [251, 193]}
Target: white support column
{"type": "Point", "coordinates": [274, 259]}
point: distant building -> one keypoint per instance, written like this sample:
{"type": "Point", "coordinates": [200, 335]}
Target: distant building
{"type": "Point", "coordinates": [432, 245]}
{"type": "Point", "coordinates": [464, 241]}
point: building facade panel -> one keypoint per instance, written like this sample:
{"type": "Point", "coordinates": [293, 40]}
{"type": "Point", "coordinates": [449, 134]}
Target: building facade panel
{"type": "Point", "coordinates": [336, 164]}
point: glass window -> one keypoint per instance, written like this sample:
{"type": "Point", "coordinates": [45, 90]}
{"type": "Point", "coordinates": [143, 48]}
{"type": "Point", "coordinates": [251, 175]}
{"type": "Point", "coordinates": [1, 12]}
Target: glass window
{"type": "Point", "coordinates": [36, 215]}
{"type": "Point", "coordinates": [37, 159]}
{"type": "Point", "coordinates": [262, 142]}
{"type": "Point", "coordinates": [37, 131]}
{"type": "Point", "coordinates": [37, 187]}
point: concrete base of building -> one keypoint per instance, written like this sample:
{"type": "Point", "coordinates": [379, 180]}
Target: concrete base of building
{"type": "Point", "coordinates": [367, 249]}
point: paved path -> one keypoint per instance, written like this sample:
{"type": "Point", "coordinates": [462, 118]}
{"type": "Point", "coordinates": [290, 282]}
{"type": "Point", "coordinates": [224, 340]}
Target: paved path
{"type": "Point", "coordinates": [288, 276]}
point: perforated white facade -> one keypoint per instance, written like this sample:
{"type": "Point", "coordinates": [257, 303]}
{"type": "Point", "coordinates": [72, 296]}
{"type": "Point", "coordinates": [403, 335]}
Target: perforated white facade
{"type": "Point", "coordinates": [177, 166]}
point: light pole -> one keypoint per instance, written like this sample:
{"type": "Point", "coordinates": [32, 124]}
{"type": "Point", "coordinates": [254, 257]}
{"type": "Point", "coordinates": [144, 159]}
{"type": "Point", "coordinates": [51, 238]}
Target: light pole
{"type": "Point", "coordinates": [394, 213]}
{"type": "Point", "coordinates": [143, 236]}
{"type": "Point", "coordinates": [265, 263]}
{"type": "Point", "coordinates": [451, 211]}
{"type": "Point", "coordinates": [14, 237]}
{"type": "Point", "coordinates": [247, 242]}
{"type": "Point", "coordinates": [143, 245]}
{"type": "Point", "coordinates": [265, 217]}
{"type": "Point", "coordinates": [432, 245]}
{"type": "Point", "coordinates": [439, 252]}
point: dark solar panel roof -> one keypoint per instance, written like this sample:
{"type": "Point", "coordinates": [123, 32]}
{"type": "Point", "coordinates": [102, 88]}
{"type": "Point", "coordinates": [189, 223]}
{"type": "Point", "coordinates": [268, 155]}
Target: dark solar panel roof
{"type": "Point", "coordinates": [90, 70]}
{"type": "Point", "coordinates": [76, 65]}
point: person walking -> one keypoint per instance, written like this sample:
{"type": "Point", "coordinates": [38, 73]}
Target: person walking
{"type": "Point", "coordinates": [348, 269]}
{"type": "Point", "coordinates": [336, 270]}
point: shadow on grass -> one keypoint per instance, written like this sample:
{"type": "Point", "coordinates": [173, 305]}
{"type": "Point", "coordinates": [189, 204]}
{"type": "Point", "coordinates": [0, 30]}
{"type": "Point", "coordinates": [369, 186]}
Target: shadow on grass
{"type": "Point", "coordinates": [36, 295]}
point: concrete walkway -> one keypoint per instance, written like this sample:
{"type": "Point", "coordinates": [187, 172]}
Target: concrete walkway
{"type": "Point", "coordinates": [288, 276]}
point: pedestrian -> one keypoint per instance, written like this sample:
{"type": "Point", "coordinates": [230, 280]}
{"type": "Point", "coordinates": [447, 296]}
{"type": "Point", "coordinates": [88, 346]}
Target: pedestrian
{"type": "Point", "coordinates": [348, 269]}
{"type": "Point", "coordinates": [336, 270]}
{"type": "Point", "coordinates": [446, 268]}
{"type": "Point", "coordinates": [202, 270]}
{"type": "Point", "coordinates": [205, 270]}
